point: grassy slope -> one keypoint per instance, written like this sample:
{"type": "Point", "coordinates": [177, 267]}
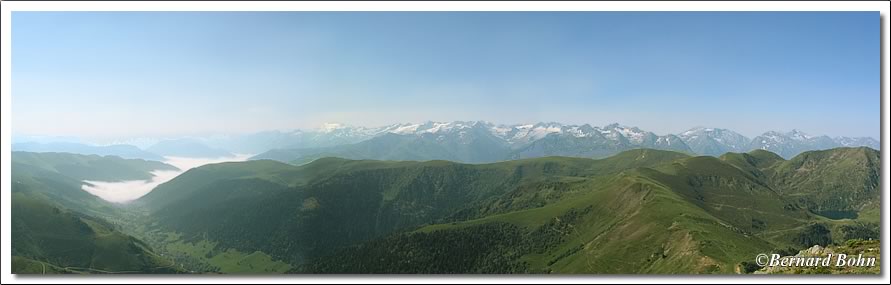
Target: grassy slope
{"type": "Point", "coordinates": [59, 177]}
{"type": "Point", "coordinates": [61, 189]}
{"type": "Point", "coordinates": [637, 224]}
{"type": "Point", "coordinates": [185, 185]}
{"type": "Point", "coordinates": [55, 222]}
{"type": "Point", "coordinates": [361, 199]}
{"type": "Point", "coordinates": [698, 214]}
{"type": "Point", "coordinates": [842, 179]}
{"type": "Point", "coordinates": [228, 261]}
{"type": "Point", "coordinates": [627, 211]}
{"type": "Point", "coordinates": [74, 242]}
{"type": "Point", "coordinates": [622, 228]}
{"type": "Point", "coordinates": [22, 265]}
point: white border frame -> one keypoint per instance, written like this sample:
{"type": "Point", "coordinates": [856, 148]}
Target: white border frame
{"type": "Point", "coordinates": [6, 9]}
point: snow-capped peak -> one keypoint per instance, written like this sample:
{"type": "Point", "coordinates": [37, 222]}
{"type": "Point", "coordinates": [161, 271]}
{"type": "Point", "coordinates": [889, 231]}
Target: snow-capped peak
{"type": "Point", "coordinates": [633, 134]}
{"type": "Point", "coordinates": [433, 127]}
{"type": "Point", "coordinates": [528, 133]}
{"type": "Point", "coordinates": [702, 131]}
{"type": "Point", "coordinates": [798, 135]}
{"type": "Point", "coordinates": [693, 131]}
{"type": "Point", "coordinates": [403, 128]}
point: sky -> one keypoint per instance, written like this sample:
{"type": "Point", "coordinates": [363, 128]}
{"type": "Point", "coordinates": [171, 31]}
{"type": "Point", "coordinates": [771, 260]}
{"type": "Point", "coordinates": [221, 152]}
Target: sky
{"type": "Point", "coordinates": [151, 74]}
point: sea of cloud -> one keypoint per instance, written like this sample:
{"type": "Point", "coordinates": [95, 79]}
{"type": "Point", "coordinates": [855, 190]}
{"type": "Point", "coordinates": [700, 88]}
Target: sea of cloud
{"type": "Point", "coordinates": [127, 191]}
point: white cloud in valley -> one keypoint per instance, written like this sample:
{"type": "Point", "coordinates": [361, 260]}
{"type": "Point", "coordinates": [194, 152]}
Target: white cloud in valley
{"type": "Point", "coordinates": [127, 191]}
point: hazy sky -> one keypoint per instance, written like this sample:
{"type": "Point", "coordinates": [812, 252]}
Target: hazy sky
{"type": "Point", "coordinates": [132, 74]}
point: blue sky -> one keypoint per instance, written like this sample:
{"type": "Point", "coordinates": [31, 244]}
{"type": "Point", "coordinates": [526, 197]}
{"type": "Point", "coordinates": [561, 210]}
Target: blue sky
{"type": "Point", "coordinates": [137, 74]}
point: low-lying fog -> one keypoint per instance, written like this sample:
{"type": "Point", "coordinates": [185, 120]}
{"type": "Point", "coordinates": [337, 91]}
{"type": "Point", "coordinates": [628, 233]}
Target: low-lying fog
{"type": "Point", "coordinates": [126, 191]}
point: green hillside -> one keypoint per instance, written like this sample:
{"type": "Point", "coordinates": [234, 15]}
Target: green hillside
{"type": "Point", "coordinates": [56, 226]}
{"type": "Point", "coordinates": [62, 241]}
{"type": "Point", "coordinates": [841, 183]}
{"type": "Point", "coordinates": [59, 177]}
{"type": "Point", "coordinates": [640, 211]}
{"type": "Point", "coordinates": [837, 183]}
{"type": "Point", "coordinates": [694, 215]}
{"type": "Point", "coordinates": [64, 190]}
{"type": "Point", "coordinates": [91, 167]}
{"type": "Point", "coordinates": [196, 179]}
{"type": "Point", "coordinates": [631, 226]}
{"type": "Point", "coordinates": [653, 210]}
{"type": "Point", "coordinates": [346, 201]}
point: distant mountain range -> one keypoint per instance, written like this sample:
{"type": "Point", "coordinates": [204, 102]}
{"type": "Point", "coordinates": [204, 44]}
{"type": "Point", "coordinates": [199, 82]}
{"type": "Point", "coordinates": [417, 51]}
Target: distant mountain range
{"type": "Point", "coordinates": [157, 152]}
{"type": "Point", "coordinates": [460, 141]}
{"type": "Point", "coordinates": [123, 151]}
{"type": "Point", "coordinates": [481, 142]}
{"type": "Point", "coordinates": [187, 148]}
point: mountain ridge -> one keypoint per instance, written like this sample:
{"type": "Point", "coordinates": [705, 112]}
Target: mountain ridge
{"type": "Point", "coordinates": [498, 142]}
{"type": "Point", "coordinates": [447, 140]}
{"type": "Point", "coordinates": [720, 210]}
